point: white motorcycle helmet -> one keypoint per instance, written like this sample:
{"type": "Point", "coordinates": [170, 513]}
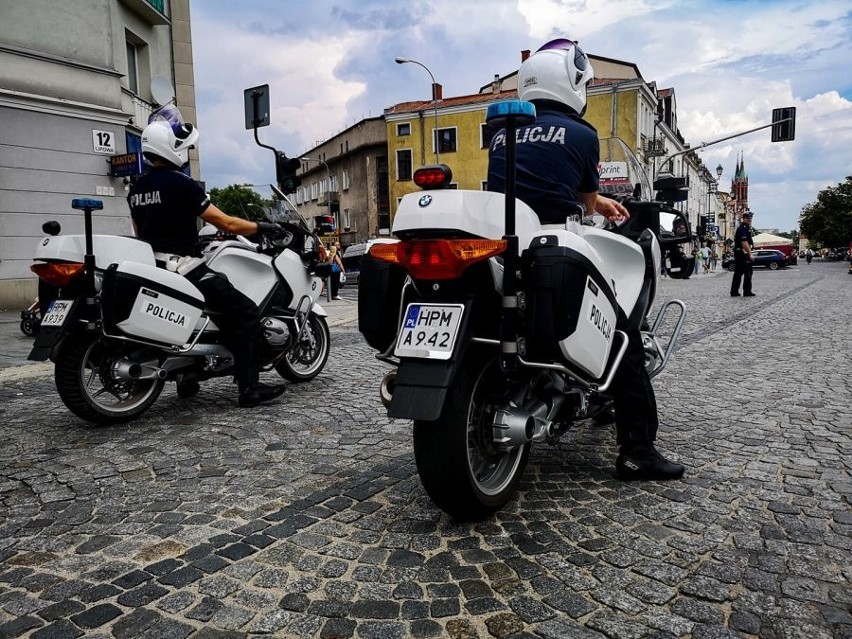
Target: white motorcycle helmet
{"type": "Point", "coordinates": [167, 137]}
{"type": "Point", "coordinates": [560, 71]}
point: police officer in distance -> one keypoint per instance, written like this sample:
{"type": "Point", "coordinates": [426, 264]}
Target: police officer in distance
{"type": "Point", "coordinates": [557, 167]}
{"type": "Point", "coordinates": [165, 205]}
{"type": "Point", "coordinates": [743, 245]}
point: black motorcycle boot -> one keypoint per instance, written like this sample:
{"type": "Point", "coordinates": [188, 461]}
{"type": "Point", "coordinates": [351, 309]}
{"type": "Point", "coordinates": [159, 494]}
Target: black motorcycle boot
{"type": "Point", "coordinates": [259, 393]}
{"type": "Point", "coordinates": [645, 463]}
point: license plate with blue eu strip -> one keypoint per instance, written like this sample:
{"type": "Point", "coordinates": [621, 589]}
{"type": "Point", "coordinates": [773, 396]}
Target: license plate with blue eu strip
{"type": "Point", "coordinates": [429, 331]}
{"type": "Point", "coordinates": [56, 314]}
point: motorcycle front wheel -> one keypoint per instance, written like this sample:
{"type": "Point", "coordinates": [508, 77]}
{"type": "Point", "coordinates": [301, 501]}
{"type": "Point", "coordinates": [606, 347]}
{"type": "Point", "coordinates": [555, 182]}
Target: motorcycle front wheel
{"type": "Point", "coordinates": [28, 326]}
{"type": "Point", "coordinates": [86, 385]}
{"type": "Point", "coordinates": [461, 468]}
{"type": "Point", "coordinates": [308, 356]}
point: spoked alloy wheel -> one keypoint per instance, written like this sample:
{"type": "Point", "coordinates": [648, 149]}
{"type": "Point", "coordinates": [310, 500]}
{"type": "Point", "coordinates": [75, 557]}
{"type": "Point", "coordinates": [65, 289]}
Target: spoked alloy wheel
{"type": "Point", "coordinates": [308, 356]}
{"type": "Point", "coordinates": [460, 466]}
{"type": "Point", "coordinates": [88, 388]}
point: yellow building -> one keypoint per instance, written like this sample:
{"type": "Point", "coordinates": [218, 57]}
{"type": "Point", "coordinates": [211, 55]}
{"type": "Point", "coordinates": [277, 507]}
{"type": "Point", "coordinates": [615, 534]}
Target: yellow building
{"type": "Point", "coordinates": [463, 140]}
{"type": "Point", "coordinates": [620, 104]}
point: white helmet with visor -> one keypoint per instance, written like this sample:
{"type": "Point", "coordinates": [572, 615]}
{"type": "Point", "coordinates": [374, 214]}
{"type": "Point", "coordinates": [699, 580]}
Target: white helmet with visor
{"type": "Point", "coordinates": [560, 71]}
{"type": "Point", "coordinates": [167, 136]}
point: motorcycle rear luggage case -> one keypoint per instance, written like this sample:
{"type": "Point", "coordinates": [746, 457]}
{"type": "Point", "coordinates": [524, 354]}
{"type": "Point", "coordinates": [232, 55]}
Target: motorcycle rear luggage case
{"type": "Point", "coordinates": [379, 296]}
{"type": "Point", "coordinates": [570, 309]}
{"type": "Point", "coordinates": [150, 303]}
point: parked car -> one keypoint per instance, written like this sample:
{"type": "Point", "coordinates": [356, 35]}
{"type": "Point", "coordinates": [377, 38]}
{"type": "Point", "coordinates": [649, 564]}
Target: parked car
{"type": "Point", "coordinates": [769, 258]}
{"type": "Point", "coordinates": [352, 257]}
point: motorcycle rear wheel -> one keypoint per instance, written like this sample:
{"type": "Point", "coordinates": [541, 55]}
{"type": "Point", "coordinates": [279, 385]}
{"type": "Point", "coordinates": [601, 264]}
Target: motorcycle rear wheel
{"type": "Point", "coordinates": [460, 467]}
{"type": "Point", "coordinates": [86, 386]}
{"type": "Point", "coordinates": [307, 358]}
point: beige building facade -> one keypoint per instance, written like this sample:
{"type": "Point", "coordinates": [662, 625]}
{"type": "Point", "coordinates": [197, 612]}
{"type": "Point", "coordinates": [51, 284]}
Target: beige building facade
{"type": "Point", "coordinates": [75, 92]}
{"type": "Point", "coordinates": [347, 177]}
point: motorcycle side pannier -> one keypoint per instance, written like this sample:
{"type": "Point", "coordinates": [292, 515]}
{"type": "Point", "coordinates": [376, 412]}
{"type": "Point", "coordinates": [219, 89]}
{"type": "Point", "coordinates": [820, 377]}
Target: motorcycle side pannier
{"type": "Point", "coordinates": [150, 303]}
{"type": "Point", "coordinates": [570, 311]}
{"type": "Point", "coordinates": [379, 296]}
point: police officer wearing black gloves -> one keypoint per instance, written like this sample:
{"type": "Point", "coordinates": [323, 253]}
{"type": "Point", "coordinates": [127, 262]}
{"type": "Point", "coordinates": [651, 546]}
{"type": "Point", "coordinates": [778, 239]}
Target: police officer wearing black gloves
{"type": "Point", "coordinates": [165, 205]}
{"type": "Point", "coordinates": [557, 160]}
{"type": "Point", "coordinates": [743, 245]}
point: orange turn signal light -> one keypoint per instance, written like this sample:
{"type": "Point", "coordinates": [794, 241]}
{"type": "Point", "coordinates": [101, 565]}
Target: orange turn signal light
{"type": "Point", "coordinates": [437, 259]}
{"type": "Point", "coordinates": [57, 273]}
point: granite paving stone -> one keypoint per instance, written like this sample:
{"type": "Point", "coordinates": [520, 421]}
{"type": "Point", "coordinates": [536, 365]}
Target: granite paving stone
{"type": "Point", "coordinates": [306, 517]}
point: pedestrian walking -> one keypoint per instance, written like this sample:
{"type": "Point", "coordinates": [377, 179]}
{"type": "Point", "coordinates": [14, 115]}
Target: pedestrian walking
{"type": "Point", "coordinates": [705, 259]}
{"type": "Point", "coordinates": [336, 270]}
{"type": "Point", "coordinates": [743, 245]}
{"type": "Point", "coordinates": [809, 255]}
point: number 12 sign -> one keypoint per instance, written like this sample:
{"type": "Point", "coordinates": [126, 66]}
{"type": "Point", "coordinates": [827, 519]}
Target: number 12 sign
{"type": "Point", "coordinates": [103, 142]}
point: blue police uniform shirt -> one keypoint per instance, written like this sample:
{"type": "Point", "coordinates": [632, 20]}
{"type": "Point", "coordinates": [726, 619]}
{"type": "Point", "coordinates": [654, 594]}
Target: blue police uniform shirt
{"type": "Point", "coordinates": [557, 159]}
{"type": "Point", "coordinates": [165, 205]}
{"type": "Point", "coordinates": [743, 234]}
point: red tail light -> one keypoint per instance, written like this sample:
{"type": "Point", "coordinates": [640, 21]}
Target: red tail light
{"type": "Point", "coordinates": [437, 259]}
{"type": "Point", "coordinates": [434, 176]}
{"type": "Point", "coordinates": [57, 273]}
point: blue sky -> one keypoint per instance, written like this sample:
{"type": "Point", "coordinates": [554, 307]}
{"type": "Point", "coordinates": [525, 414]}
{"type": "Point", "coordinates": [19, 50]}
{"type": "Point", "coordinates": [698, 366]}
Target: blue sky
{"type": "Point", "coordinates": [330, 63]}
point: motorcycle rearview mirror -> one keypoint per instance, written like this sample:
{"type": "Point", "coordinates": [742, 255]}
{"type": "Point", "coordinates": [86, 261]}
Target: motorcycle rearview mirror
{"type": "Point", "coordinates": [674, 229]}
{"type": "Point", "coordinates": [162, 90]}
{"type": "Point", "coordinates": [51, 228]}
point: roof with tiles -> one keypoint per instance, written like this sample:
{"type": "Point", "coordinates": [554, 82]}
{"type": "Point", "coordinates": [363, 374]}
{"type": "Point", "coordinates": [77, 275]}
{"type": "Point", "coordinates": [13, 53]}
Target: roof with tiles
{"type": "Point", "coordinates": [461, 100]}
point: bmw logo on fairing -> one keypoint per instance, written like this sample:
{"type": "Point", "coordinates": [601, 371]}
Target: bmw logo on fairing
{"type": "Point", "coordinates": [425, 200]}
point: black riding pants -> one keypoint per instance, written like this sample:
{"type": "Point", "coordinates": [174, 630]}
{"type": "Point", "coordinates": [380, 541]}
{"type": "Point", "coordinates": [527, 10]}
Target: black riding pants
{"type": "Point", "coordinates": [633, 397]}
{"type": "Point", "coordinates": [742, 271]}
{"type": "Point", "coordinates": [238, 319]}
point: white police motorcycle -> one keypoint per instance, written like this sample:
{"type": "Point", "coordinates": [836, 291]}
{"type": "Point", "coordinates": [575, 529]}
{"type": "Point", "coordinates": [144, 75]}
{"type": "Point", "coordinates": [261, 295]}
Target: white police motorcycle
{"type": "Point", "coordinates": [504, 332]}
{"type": "Point", "coordinates": [121, 326]}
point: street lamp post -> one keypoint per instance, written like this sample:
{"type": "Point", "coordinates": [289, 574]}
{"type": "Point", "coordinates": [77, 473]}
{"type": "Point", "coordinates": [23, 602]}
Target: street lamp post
{"type": "Point", "coordinates": [719, 171]}
{"type": "Point", "coordinates": [400, 60]}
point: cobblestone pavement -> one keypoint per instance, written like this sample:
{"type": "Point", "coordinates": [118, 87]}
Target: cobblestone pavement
{"type": "Point", "coordinates": [307, 519]}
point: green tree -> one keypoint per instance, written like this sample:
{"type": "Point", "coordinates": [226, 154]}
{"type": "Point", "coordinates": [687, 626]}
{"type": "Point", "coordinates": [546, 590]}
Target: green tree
{"type": "Point", "coordinates": [828, 221]}
{"type": "Point", "coordinates": [240, 201]}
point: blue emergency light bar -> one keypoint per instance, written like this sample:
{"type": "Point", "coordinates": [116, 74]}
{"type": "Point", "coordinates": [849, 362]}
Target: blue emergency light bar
{"type": "Point", "coordinates": [86, 203]}
{"type": "Point", "coordinates": [522, 112]}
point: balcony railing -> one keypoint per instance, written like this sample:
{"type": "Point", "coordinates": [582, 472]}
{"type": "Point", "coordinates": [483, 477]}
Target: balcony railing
{"type": "Point", "coordinates": [136, 107]}
{"type": "Point", "coordinates": [655, 148]}
{"type": "Point", "coordinates": [153, 11]}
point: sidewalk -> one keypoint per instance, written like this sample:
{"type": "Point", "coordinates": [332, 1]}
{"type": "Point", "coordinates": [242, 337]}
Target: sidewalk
{"type": "Point", "coordinates": [342, 315]}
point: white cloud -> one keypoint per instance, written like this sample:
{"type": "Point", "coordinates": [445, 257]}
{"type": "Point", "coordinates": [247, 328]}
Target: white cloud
{"type": "Point", "coordinates": [330, 63]}
{"type": "Point", "coordinates": [578, 18]}
{"type": "Point", "coordinates": [305, 95]}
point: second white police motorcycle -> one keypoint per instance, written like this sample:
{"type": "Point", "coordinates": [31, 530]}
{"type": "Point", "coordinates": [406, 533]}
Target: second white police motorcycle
{"type": "Point", "coordinates": [504, 331]}
{"type": "Point", "coordinates": [121, 326]}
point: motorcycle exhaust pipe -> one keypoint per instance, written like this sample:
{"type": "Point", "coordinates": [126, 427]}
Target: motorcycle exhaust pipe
{"type": "Point", "coordinates": [127, 369]}
{"type": "Point", "coordinates": [513, 426]}
{"type": "Point", "coordinates": [386, 388]}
